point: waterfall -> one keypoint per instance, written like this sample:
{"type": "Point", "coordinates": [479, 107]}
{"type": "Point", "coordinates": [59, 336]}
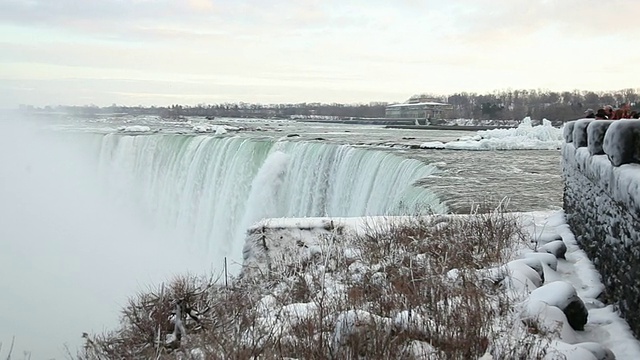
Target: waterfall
{"type": "Point", "coordinates": [207, 190]}
{"type": "Point", "coordinates": [89, 219]}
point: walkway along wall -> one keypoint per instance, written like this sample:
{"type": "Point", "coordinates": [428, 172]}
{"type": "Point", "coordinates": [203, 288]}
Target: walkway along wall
{"type": "Point", "coordinates": [601, 170]}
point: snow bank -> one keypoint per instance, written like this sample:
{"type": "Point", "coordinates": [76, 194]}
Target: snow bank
{"type": "Point", "coordinates": [604, 325]}
{"type": "Point", "coordinates": [524, 137]}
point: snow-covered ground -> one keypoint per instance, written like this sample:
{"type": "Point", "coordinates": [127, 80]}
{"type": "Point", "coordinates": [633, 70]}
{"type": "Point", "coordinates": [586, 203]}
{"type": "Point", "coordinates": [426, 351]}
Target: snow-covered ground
{"type": "Point", "coordinates": [524, 137]}
{"type": "Point", "coordinates": [546, 273]}
{"type": "Point", "coordinates": [604, 325]}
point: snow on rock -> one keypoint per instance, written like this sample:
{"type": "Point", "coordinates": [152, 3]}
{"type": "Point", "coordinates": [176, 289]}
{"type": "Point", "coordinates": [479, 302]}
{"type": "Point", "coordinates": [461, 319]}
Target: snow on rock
{"type": "Point", "coordinates": [352, 254]}
{"type": "Point", "coordinates": [565, 351]}
{"type": "Point", "coordinates": [412, 321]}
{"type": "Point", "coordinates": [197, 354]}
{"type": "Point", "coordinates": [622, 142]}
{"type": "Point", "coordinates": [604, 324]}
{"type": "Point", "coordinates": [217, 129]}
{"type": "Point", "coordinates": [471, 138]}
{"type": "Point", "coordinates": [563, 296]}
{"type": "Point", "coordinates": [580, 132]}
{"type": "Point", "coordinates": [546, 259]}
{"type": "Point", "coordinates": [356, 324]}
{"type": "Point", "coordinates": [567, 131]}
{"type": "Point", "coordinates": [548, 319]}
{"type": "Point", "coordinates": [556, 248]}
{"type": "Point", "coordinates": [521, 277]}
{"type": "Point", "coordinates": [534, 264]}
{"type": "Point", "coordinates": [432, 145]}
{"type": "Point", "coordinates": [266, 305]}
{"type": "Point", "coordinates": [545, 237]}
{"type": "Point", "coordinates": [358, 270]}
{"type": "Point", "coordinates": [621, 183]}
{"type": "Point", "coordinates": [220, 130]}
{"type": "Point", "coordinates": [518, 275]}
{"type": "Point", "coordinates": [595, 135]}
{"type": "Point", "coordinates": [612, 332]}
{"type": "Point", "coordinates": [421, 350]}
{"type": "Point", "coordinates": [598, 351]}
{"type": "Point", "coordinates": [299, 312]}
{"type": "Point", "coordinates": [134, 129]}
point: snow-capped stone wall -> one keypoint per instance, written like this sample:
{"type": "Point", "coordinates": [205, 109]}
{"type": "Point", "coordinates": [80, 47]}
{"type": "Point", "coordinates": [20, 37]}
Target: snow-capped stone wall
{"type": "Point", "coordinates": [601, 169]}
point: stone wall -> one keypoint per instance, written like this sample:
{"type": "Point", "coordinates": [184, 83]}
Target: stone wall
{"type": "Point", "coordinates": [601, 171]}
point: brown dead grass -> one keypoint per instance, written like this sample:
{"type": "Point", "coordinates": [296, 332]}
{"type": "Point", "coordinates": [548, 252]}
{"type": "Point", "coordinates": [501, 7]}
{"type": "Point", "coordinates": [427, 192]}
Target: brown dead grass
{"type": "Point", "coordinates": [405, 266]}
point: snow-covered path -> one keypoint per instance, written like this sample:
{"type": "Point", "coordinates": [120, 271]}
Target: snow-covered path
{"type": "Point", "coordinates": [604, 325]}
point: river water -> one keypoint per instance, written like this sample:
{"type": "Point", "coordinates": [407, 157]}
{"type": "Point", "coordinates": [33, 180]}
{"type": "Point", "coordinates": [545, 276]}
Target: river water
{"type": "Point", "coordinates": [530, 179]}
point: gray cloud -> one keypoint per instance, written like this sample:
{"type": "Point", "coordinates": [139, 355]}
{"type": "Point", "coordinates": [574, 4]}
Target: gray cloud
{"type": "Point", "coordinates": [499, 22]}
{"type": "Point", "coordinates": [408, 45]}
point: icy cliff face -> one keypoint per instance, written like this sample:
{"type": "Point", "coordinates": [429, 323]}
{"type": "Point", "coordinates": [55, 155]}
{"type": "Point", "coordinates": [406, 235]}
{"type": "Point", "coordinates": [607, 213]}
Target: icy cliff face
{"type": "Point", "coordinates": [602, 201]}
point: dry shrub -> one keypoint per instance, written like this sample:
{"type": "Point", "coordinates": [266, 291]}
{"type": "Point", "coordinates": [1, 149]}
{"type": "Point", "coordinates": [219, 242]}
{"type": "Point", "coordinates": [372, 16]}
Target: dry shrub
{"type": "Point", "coordinates": [413, 292]}
{"type": "Point", "coordinates": [152, 315]}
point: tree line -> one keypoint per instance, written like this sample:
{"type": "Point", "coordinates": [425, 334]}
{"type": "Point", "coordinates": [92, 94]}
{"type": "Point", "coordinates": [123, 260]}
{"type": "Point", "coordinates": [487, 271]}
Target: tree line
{"type": "Point", "coordinates": [539, 104]}
{"type": "Point", "coordinates": [498, 105]}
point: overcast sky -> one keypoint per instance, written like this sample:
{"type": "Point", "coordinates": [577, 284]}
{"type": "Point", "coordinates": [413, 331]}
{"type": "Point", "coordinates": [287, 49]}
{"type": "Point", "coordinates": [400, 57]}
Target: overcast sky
{"type": "Point", "coordinates": [191, 51]}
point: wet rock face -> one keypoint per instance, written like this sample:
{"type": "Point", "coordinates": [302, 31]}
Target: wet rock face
{"type": "Point", "coordinates": [607, 227]}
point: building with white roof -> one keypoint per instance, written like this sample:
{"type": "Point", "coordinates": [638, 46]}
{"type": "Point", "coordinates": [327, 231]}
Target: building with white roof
{"type": "Point", "coordinates": [417, 108]}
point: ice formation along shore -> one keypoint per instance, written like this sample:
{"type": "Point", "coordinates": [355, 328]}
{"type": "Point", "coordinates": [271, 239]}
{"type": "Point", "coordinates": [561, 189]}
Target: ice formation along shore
{"type": "Point", "coordinates": [524, 137]}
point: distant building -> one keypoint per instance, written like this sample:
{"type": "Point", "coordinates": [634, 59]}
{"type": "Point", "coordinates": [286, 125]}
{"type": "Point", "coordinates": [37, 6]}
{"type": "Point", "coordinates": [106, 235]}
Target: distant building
{"type": "Point", "coordinates": [417, 107]}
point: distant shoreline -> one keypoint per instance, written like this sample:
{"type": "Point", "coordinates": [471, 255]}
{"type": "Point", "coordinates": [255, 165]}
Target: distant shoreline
{"type": "Point", "coordinates": [409, 124]}
{"type": "Point", "coordinates": [450, 127]}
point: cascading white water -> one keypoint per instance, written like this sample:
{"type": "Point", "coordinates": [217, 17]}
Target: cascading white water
{"type": "Point", "coordinates": [207, 190]}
